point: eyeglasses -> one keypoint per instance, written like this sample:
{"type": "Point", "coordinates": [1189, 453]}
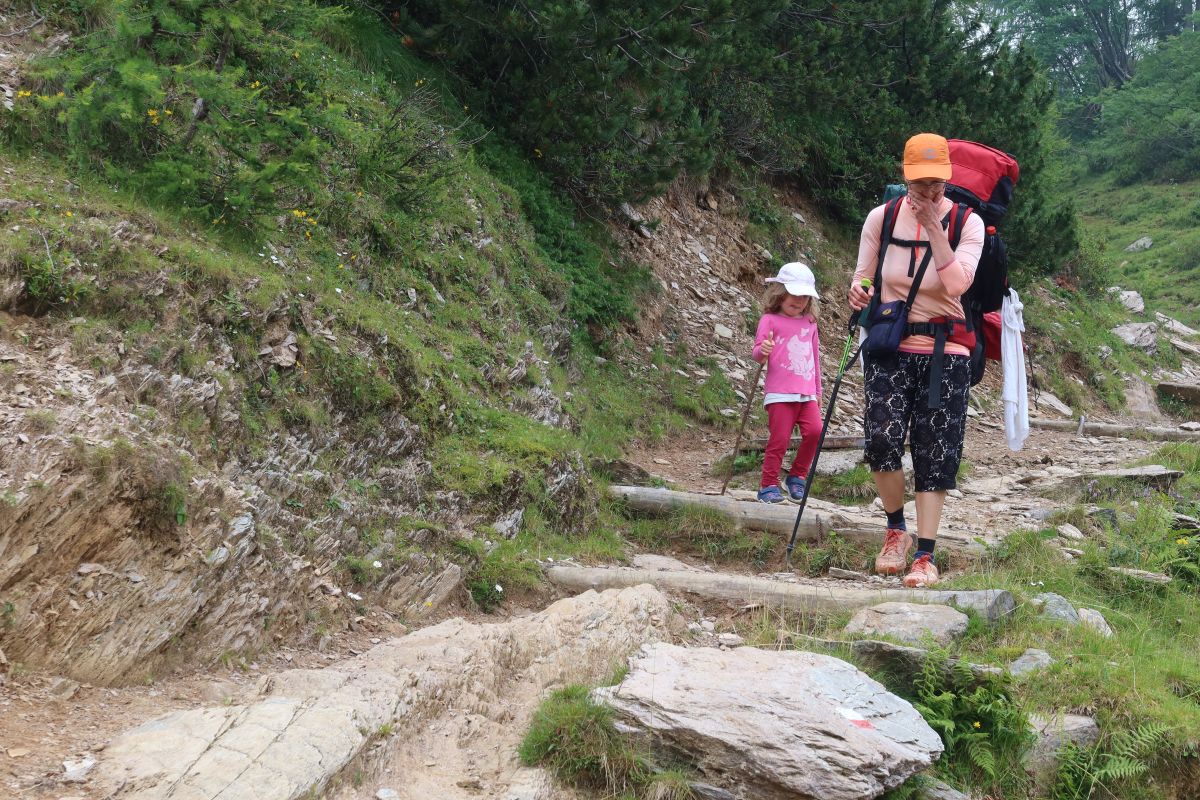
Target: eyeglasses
{"type": "Point", "coordinates": [926, 187]}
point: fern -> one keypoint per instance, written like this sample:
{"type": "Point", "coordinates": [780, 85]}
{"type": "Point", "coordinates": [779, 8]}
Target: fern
{"type": "Point", "coordinates": [979, 750]}
{"type": "Point", "coordinates": [1081, 770]}
{"type": "Point", "coordinates": [982, 729]}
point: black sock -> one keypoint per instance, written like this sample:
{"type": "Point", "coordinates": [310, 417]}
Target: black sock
{"type": "Point", "coordinates": [896, 519]}
{"type": "Point", "coordinates": [925, 546]}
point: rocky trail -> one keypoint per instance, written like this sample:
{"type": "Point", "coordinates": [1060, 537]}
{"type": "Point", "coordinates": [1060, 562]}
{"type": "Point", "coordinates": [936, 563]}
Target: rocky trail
{"type": "Point", "coordinates": [134, 675]}
{"type": "Point", "coordinates": [441, 709]}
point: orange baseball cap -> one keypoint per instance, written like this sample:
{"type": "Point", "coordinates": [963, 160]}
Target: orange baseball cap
{"type": "Point", "coordinates": [927, 155]}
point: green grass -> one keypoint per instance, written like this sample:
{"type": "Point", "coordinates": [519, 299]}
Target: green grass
{"type": "Point", "coordinates": [575, 739]}
{"type": "Point", "coordinates": [1169, 213]}
{"type": "Point", "coordinates": [703, 532]}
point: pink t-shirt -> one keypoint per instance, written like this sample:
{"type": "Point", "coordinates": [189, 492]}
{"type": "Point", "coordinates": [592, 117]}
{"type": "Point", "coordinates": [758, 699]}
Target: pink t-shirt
{"type": "Point", "coordinates": [942, 285]}
{"type": "Point", "coordinates": [794, 366]}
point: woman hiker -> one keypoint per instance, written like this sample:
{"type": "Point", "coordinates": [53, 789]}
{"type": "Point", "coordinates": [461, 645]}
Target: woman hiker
{"type": "Point", "coordinates": [901, 400]}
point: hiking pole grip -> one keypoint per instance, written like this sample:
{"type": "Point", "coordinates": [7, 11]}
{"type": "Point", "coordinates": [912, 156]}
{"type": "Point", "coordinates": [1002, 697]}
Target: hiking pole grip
{"type": "Point", "coordinates": [865, 283]}
{"type": "Point", "coordinates": [737, 444]}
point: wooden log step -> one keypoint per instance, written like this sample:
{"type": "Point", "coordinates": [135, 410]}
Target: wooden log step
{"type": "Point", "coordinates": [832, 442]}
{"type": "Point", "coordinates": [1109, 429]}
{"type": "Point", "coordinates": [992, 604]}
{"type": "Point", "coordinates": [820, 517]}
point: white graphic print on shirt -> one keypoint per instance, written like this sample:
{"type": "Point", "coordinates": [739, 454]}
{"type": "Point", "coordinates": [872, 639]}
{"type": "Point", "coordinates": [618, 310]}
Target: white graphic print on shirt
{"type": "Point", "coordinates": [800, 355]}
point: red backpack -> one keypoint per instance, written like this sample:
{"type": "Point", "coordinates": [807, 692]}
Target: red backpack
{"type": "Point", "coordinates": [983, 179]}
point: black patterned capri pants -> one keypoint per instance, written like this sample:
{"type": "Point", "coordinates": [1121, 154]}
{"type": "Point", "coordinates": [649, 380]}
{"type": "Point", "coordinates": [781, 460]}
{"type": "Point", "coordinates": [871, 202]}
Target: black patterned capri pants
{"type": "Point", "coordinates": [897, 389]}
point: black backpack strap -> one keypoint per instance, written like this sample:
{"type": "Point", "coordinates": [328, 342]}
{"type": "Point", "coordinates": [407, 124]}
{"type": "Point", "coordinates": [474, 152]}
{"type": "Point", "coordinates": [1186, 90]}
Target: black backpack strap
{"type": "Point", "coordinates": [891, 210]}
{"type": "Point", "coordinates": [957, 221]}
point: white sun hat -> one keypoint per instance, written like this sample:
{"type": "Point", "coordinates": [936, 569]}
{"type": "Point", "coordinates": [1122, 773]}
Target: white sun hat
{"type": "Point", "coordinates": [798, 279]}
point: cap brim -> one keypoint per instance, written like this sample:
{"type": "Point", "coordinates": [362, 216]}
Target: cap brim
{"type": "Point", "coordinates": [801, 290]}
{"type": "Point", "coordinates": [916, 172]}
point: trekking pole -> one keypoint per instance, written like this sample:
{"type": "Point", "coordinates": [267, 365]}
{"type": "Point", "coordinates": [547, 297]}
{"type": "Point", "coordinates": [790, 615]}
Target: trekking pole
{"type": "Point", "coordinates": [745, 416]}
{"type": "Point", "coordinates": [837, 382]}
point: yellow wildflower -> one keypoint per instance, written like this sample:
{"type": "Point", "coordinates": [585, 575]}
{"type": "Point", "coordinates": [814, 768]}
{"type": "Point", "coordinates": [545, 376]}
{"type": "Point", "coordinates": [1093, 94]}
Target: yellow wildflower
{"type": "Point", "coordinates": [169, 112]}
{"type": "Point", "coordinates": [1181, 540]}
{"type": "Point", "coordinates": [312, 221]}
{"type": "Point", "coordinates": [61, 94]}
{"type": "Point", "coordinates": [977, 724]}
{"type": "Point", "coordinates": [296, 54]}
{"type": "Point", "coordinates": [152, 112]}
{"type": "Point", "coordinates": [70, 214]}
{"type": "Point", "coordinates": [308, 234]}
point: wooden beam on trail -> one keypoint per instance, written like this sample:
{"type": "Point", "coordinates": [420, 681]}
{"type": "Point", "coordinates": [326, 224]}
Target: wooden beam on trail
{"type": "Point", "coordinates": [1109, 429]}
{"type": "Point", "coordinates": [992, 604]}
{"type": "Point", "coordinates": [820, 517]}
{"type": "Point", "coordinates": [832, 442]}
{"type": "Point", "coordinates": [1187, 392]}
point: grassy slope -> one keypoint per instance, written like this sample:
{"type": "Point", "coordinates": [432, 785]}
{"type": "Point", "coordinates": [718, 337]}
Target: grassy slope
{"type": "Point", "coordinates": [490, 262]}
{"type": "Point", "coordinates": [1169, 213]}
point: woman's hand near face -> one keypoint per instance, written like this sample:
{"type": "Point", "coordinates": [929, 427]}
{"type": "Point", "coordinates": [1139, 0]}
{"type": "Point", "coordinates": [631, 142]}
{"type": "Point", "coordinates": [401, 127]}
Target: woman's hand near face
{"type": "Point", "coordinates": [925, 211]}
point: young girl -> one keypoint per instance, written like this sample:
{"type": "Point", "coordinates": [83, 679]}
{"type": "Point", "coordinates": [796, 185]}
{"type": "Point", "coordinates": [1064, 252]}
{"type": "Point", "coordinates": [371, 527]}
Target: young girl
{"type": "Point", "coordinates": [787, 343]}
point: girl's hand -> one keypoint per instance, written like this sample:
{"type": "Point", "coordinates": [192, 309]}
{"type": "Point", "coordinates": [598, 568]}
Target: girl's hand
{"type": "Point", "coordinates": [767, 346]}
{"type": "Point", "coordinates": [860, 297]}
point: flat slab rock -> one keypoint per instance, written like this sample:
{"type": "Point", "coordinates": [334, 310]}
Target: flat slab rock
{"type": "Point", "coordinates": [307, 725]}
{"type": "Point", "coordinates": [767, 725]}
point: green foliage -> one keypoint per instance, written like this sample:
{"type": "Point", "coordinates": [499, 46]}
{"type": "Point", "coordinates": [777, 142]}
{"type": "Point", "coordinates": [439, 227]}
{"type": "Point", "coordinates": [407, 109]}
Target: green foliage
{"type": "Point", "coordinates": [984, 729]}
{"type": "Point", "coordinates": [238, 112]}
{"type": "Point", "coordinates": [600, 96]}
{"type": "Point", "coordinates": [602, 290]}
{"type": "Point", "coordinates": [492, 574]}
{"type": "Point", "coordinates": [852, 485]}
{"type": "Point", "coordinates": [1107, 766]}
{"type": "Point", "coordinates": [1150, 129]}
{"type": "Point", "coordinates": [616, 101]}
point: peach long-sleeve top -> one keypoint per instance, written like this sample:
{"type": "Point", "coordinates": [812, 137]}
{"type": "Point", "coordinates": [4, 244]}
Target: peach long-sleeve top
{"type": "Point", "coordinates": [943, 284]}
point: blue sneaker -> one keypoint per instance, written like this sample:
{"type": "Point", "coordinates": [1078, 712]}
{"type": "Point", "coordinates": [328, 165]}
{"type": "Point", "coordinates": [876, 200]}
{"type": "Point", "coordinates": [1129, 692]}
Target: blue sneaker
{"type": "Point", "coordinates": [795, 487]}
{"type": "Point", "coordinates": [770, 494]}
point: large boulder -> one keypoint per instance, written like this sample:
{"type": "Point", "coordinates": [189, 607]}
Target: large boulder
{"type": "Point", "coordinates": [1131, 300]}
{"type": "Point", "coordinates": [1056, 608]}
{"type": "Point", "coordinates": [1142, 335]}
{"type": "Point", "coordinates": [1144, 243]}
{"type": "Point", "coordinates": [911, 623]}
{"type": "Point", "coordinates": [774, 725]}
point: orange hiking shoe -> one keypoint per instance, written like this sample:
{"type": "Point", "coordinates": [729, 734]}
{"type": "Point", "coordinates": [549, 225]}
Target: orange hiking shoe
{"type": "Point", "coordinates": [893, 558]}
{"type": "Point", "coordinates": [923, 572]}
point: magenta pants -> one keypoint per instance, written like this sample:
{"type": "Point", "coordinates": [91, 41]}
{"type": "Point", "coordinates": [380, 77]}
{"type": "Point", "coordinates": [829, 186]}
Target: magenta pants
{"type": "Point", "coordinates": [782, 419]}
